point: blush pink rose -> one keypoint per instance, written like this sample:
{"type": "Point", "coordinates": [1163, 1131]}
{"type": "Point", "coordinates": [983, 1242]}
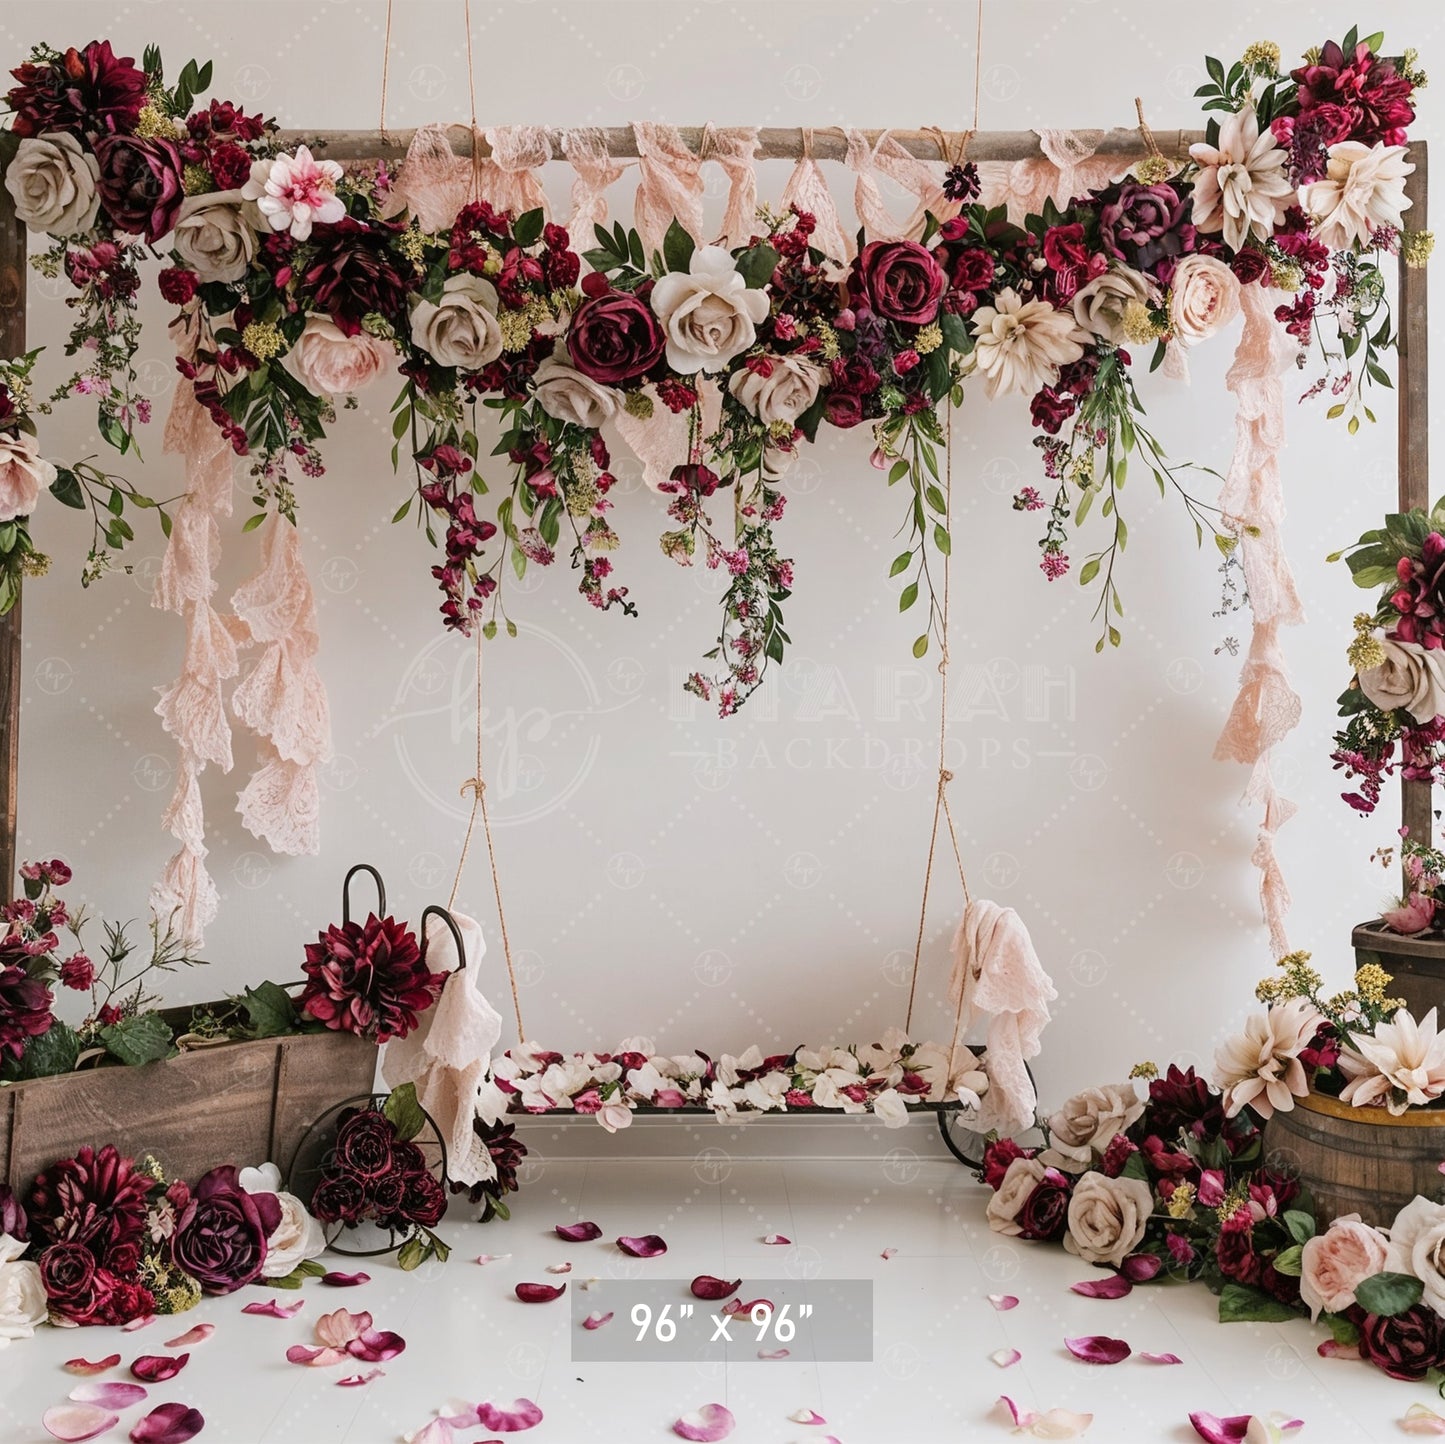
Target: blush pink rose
{"type": "Point", "coordinates": [23, 471]}
{"type": "Point", "coordinates": [331, 363]}
{"type": "Point", "coordinates": [1414, 914]}
{"type": "Point", "coordinates": [1333, 1263]}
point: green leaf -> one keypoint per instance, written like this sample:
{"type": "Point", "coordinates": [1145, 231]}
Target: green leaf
{"type": "Point", "coordinates": [1388, 1294]}
{"type": "Point", "coordinates": [907, 596]}
{"type": "Point", "coordinates": [1288, 1261]}
{"type": "Point", "coordinates": [1344, 1331]}
{"type": "Point", "coordinates": [1240, 1304]}
{"type": "Point", "coordinates": [1135, 1167]}
{"type": "Point", "coordinates": [66, 488]}
{"type": "Point", "coordinates": [402, 510]}
{"type": "Point", "coordinates": [677, 246]}
{"type": "Point", "coordinates": [942, 540]}
{"type": "Point", "coordinates": [1088, 571]}
{"type": "Point", "coordinates": [252, 522]}
{"type": "Point", "coordinates": [756, 266]}
{"type": "Point", "coordinates": [142, 1038]}
{"type": "Point", "coordinates": [527, 228]}
{"type": "Point", "coordinates": [411, 1254]}
{"type": "Point", "coordinates": [54, 1051]}
{"type": "Point", "coordinates": [404, 1112]}
{"type": "Point", "coordinates": [896, 473]}
{"type": "Point", "coordinates": [270, 1010]}
{"type": "Point", "coordinates": [920, 647]}
{"type": "Point", "coordinates": [900, 563]}
{"type": "Point", "coordinates": [1301, 1225]}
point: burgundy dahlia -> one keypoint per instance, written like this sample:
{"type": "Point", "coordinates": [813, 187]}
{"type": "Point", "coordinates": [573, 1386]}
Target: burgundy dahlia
{"type": "Point", "coordinates": [351, 273]}
{"type": "Point", "coordinates": [614, 338]}
{"type": "Point", "coordinates": [368, 979]}
{"type": "Point", "coordinates": [1407, 1345]}
{"type": "Point", "coordinates": [98, 1199]}
{"type": "Point", "coordinates": [24, 1007]}
{"type": "Point", "coordinates": [220, 1237]}
{"type": "Point", "coordinates": [507, 1152]}
{"type": "Point", "coordinates": [1182, 1102]}
{"type": "Point", "coordinates": [140, 184]}
{"type": "Point", "coordinates": [1371, 93]}
{"type": "Point", "coordinates": [1420, 597]}
{"type": "Point", "coordinates": [84, 92]}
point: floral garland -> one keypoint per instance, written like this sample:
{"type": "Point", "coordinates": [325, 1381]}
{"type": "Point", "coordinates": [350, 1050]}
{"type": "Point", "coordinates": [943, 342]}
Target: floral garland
{"type": "Point", "coordinates": [298, 281]}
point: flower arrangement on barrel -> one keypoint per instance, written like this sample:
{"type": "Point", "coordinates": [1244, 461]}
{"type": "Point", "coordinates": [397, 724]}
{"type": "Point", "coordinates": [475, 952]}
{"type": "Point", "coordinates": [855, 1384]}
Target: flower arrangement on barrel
{"type": "Point", "coordinates": [298, 282]}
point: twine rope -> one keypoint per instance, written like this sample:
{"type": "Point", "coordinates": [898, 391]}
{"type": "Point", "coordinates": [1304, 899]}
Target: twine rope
{"type": "Point", "coordinates": [1145, 133]}
{"type": "Point", "coordinates": [385, 69]}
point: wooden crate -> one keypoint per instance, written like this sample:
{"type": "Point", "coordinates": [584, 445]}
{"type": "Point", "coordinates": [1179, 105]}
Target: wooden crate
{"type": "Point", "coordinates": [241, 1103]}
{"type": "Point", "coordinates": [1416, 963]}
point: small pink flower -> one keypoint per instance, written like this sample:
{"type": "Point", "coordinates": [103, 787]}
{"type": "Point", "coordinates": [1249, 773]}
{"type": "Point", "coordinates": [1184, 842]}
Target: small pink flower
{"type": "Point", "coordinates": [1054, 565]}
{"type": "Point", "coordinates": [294, 192]}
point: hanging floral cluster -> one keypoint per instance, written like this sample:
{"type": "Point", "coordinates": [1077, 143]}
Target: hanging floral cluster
{"type": "Point", "coordinates": [298, 282]}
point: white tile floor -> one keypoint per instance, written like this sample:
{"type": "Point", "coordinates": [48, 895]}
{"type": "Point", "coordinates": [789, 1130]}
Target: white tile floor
{"type": "Point", "coordinates": [931, 1381]}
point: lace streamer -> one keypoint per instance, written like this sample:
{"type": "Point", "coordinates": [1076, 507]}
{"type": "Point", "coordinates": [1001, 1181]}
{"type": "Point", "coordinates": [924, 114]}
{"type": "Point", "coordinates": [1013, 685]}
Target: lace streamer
{"type": "Point", "coordinates": [922, 179]}
{"type": "Point", "coordinates": [586, 152]}
{"type": "Point", "coordinates": [434, 183]}
{"type": "Point", "coordinates": [808, 190]}
{"type": "Point", "coordinates": [1067, 168]}
{"type": "Point", "coordinates": [670, 184]}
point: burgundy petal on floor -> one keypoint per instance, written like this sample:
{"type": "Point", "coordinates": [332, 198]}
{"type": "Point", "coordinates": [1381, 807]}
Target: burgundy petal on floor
{"type": "Point", "coordinates": [198, 1334]}
{"type": "Point", "coordinates": [352, 1381]}
{"type": "Point", "coordinates": [74, 1422]}
{"type": "Point", "coordinates": [1233, 1429]}
{"type": "Point", "coordinates": [157, 1368]}
{"type": "Point", "coordinates": [376, 1346]}
{"type": "Point", "coordinates": [341, 1326]}
{"type": "Point", "coordinates": [1139, 1268]}
{"type": "Point", "coordinates": [540, 1293]}
{"type": "Point", "coordinates": [106, 1394]}
{"type": "Point", "coordinates": [776, 1238]}
{"type": "Point", "coordinates": [595, 1321]}
{"type": "Point", "coordinates": [1112, 1286]}
{"type": "Point", "coordinates": [523, 1414]}
{"type": "Point", "coordinates": [168, 1424]}
{"type": "Point", "coordinates": [1098, 1349]}
{"type": "Point", "coordinates": [806, 1416]}
{"type": "Point", "coordinates": [1003, 1302]}
{"type": "Point", "coordinates": [1331, 1349]}
{"type": "Point", "coordinates": [649, 1245]}
{"type": "Point", "coordinates": [87, 1366]}
{"type": "Point", "coordinates": [144, 1321]}
{"type": "Point", "coordinates": [582, 1232]}
{"type": "Point", "coordinates": [272, 1309]}
{"type": "Point", "coordinates": [1160, 1358]}
{"type": "Point", "coordinates": [321, 1358]}
{"type": "Point", "coordinates": [706, 1425]}
{"type": "Point", "coordinates": [712, 1288]}
{"type": "Point", "coordinates": [345, 1281]}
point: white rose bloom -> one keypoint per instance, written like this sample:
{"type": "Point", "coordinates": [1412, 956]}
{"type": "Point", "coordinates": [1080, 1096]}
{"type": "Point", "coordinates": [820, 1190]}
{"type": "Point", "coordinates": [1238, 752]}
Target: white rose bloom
{"type": "Point", "coordinates": [890, 1109]}
{"type": "Point", "coordinates": [23, 1305]}
{"type": "Point", "coordinates": [1363, 189]}
{"type": "Point", "coordinates": [1417, 1248]}
{"type": "Point", "coordinates": [708, 313]}
{"type": "Point", "coordinates": [1022, 344]}
{"type": "Point", "coordinates": [1410, 677]}
{"type": "Point", "coordinates": [461, 328]}
{"type": "Point", "coordinates": [214, 236]}
{"type": "Point", "coordinates": [1099, 306]}
{"type": "Point", "coordinates": [297, 1237]}
{"type": "Point", "coordinates": [563, 392]}
{"type": "Point", "coordinates": [52, 181]}
{"type": "Point", "coordinates": [1203, 296]}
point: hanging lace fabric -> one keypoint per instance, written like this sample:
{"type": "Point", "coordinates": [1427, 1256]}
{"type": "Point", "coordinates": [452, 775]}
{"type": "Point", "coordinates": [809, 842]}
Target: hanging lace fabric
{"type": "Point", "coordinates": [920, 179]}
{"type": "Point", "coordinates": [808, 189]}
{"type": "Point", "coordinates": [585, 150]}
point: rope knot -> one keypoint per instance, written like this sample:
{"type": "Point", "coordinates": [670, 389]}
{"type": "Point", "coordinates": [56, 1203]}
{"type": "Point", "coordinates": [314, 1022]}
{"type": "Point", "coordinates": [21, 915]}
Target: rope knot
{"type": "Point", "coordinates": [944, 777]}
{"type": "Point", "coordinates": [475, 785]}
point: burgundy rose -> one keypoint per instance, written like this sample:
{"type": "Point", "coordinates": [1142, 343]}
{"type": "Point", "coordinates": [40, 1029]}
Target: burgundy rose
{"type": "Point", "coordinates": [614, 338]}
{"type": "Point", "coordinates": [971, 269]}
{"type": "Point", "coordinates": [425, 1201]}
{"type": "Point", "coordinates": [24, 1009]}
{"type": "Point", "coordinates": [351, 274]}
{"type": "Point", "coordinates": [1407, 1345]}
{"type": "Point", "coordinates": [996, 1158]}
{"type": "Point", "coordinates": [369, 978]}
{"type": "Point", "coordinates": [1165, 1162]}
{"type": "Point", "coordinates": [364, 1145]}
{"type": "Point", "coordinates": [1045, 1212]}
{"type": "Point", "coordinates": [98, 1199]}
{"type": "Point", "coordinates": [1234, 1249]}
{"type": "Point", "coordinates": [140, 184]}
{"type": "Point", "coordinates": [388, 1195]}
{"type": "Point", "coordinates": [123, 1258]}
{"type": "Point", "coordinates": [843, 410]}
{"type": "Point", "coordinates": [220, 1238]}
{"type": "Point", "coordinates": [82, 92]}
{"type": "Point", "coordinates": [230, 165]}
{"type": "Point", "coordinates": [900, 280]}
{"type": "Point", "coordinates": [13, 1219]}
{"type": "Point", "coordinates": [1249, 265]}
{"type": "Point", "coordinates": [338, 1198]}
{"type": "Point", "coordinates": [1144, 225]}
{"type": "Point", "coordinates": [74, 1286]}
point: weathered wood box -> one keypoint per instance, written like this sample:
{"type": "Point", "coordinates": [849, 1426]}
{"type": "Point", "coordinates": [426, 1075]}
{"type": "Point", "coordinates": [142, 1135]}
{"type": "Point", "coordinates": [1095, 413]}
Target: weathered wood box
{"type": "Point", "coordinates": [1417, 963]}
{"type": "Point", "coordinates": [242, 1103]}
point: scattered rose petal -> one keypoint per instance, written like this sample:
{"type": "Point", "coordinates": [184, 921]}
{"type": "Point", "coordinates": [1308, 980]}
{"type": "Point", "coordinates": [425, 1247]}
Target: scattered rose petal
{"type": "Point", "coordinates": [341, 1326]}
{"type": "Point", "coordinates": [157, 1368]}
{"type": "Point", "coordinates": [540, 1293]}
{"type": "Point", "coordinates": [561, 1268]}
{"type": "Point", "coordinates": [774, 1353]}
{"type": "Point", "coordinates": [168, 1424]}
{"type": "Point", "coordinates": [74, 1422]}
{"type": "Point", "coordinates": [1112, 1286]}
{"type": "Point", "coordinates": [197, 1334]}
{"type": "Point", "coordinates": [1098, 1349]}
{"type": "Point", "coordinates": [1003, 1302]}
{"type": "Point", "coordinates": [706, 1425]}
{"type": "Point", "coordinates": [86, 1366]}
{"type": "Point", "coordinates": [583, 1232]}
{"type": "Point", "coordinates": [776, 1238]}
{"type": "Point", "coordinates": [523, 1414]}
{"type": "Point", "coordinates": [1330, 1349]}
{"type": "Point", "coordinates": [486, 1258]}
{"type": "Point", "coordinates": [139, 1323]}
{"type": "Point", "coordinates": [316, 1358]}
{"type": "Point", "coordinates": [649, 1245]}
{"type": "Point", "coordinates": [709, 1286]}
{"type": "Point", "coordinates": [1005, 1358]}
{"type": "Point", "coordinates": [274, 1309]}
{"type": "Point", "coordinates": [436, 1431]}
{"type": "Point", "coordinates": [806, 1416]}
{"type": "Point", "coordinates": [1052, 1424]}
{"type": "Point", "coordinates": [1139, 1268]}
{"type": "Point", "coordinates": [1421, 1419]}
{"type": "Point", "coordinates": [108, 1395]}
{"type": "Point", "coordinates": [352, 1381]}
{"type": "Point", "coordinates": [887, 1253]}
{"type": "Point", "coordinates": [1236, 1428]}
{"type": "Point", "coordinates": [345, 1281]}
{"type": "Point", "coordinates": [595, 1321]}
{"type": "Point", "coordinates": [376, 1346]}
{"type": "Point", "coordinates": [1160, 1358]}
{"type": "Point", "coordinates": [746, 1306]}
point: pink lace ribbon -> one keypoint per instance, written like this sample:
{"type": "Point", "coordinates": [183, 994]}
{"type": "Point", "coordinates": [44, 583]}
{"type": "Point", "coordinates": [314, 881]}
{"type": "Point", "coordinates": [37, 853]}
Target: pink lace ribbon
{"type": "Point", "coordinates": [921, 179]}
{"type": "Point", "coordinates": [434, 183]}
{"type": "Point", "coordinates": [734, 148]}
{"type": "Point", "coordinates": [808, 190]}
{"type": "Point", "coordinates": [586, 152]}
{"type": "Point", "coordinates": [1067, 168]}
{"type": "Point", "coordinates": [669, 185]}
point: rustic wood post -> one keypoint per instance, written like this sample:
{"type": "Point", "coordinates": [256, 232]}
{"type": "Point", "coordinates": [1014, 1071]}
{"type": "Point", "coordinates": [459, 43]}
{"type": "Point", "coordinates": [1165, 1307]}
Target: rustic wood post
{"type": "Point", "coordinates": [12, 343]}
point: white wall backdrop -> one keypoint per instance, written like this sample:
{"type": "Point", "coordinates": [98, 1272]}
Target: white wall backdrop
{"type": "Point", "coordinates": [755, 880]}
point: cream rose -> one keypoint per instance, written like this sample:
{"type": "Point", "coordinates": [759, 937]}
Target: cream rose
{"type": "Point", "coordinates": [1099, 306]}
{"type": "Point", "coordinates": [564, 392]}
{"type": "Point", "coordinates": [1409, 677]}
{"type": "Point", "coordinates": [788, 389]}
{"type": "Point", "coordinates": [52, 180]}
{"type": "Point", "coordinates": [214, 236]}
{"type": "Point", "coordinates": [332, 363]}
{"type": "Point", "coordinates": [1087, 1122]}
{"type": "Point", "coordinates": [708, 313]}
{"type": "Point", "coordinates": [461, 328]}
{"type": "Point", "coordinates": [1107, 1218]}
{"type": "Point", "coordinates": [23, 471]}
{"type": "Point", "coordinates": [23, 1304]}
{"type": "Point", "coordinates": [297, 1237]}
{"type": "Point", "coordinates": [1417, 1247]}
{"type": "Point", "coordinates": [1018, 1185]}
{"type": "Point", "coordinates": [1333, 1263]}
{"type": "Point", "coordinates": [1204, 296]}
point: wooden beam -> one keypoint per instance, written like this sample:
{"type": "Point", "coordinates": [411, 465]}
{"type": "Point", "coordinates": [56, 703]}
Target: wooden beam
{"type": "Point", "coordinates": [12, 343]}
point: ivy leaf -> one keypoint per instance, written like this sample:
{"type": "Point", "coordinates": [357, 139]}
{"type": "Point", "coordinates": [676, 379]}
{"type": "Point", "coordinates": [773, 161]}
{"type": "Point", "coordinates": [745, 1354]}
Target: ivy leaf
{"type": "Point", "coordinates": [142, 1038]}
{"type": "Point", "coordinates": [404, 1112]}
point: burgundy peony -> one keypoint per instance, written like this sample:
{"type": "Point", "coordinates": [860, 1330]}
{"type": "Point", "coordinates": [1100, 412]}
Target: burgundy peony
{"type": "Point", "coordinates": [351, 274]}
{"type": "Point", "coordinates": [98, 1199]}
{"type": "Point", "coordinates": [177, 284]}
{"type": "Point", "coordinates": [24, 1008]}
{"type": "Point", "coordinates": [220, 1237]}
{"type": "Point", "coordinates": [900, 281]}
{"type": "Point", "coordinates": [368, 979]}
{"type": "Point", "coordinates": [84, 92]}
{"type": "Point", "coordinates": [1145, 225]}
{"type": "Point", "coordinates": [140, 184]}
{"type": "Point", "coordinates": [971, 269]}
{"type": "Point", "coordinates": [1045, 1213]}
{"type": "Point", "coordinates": [1369, 93]}
{"type": "Point", "coordinates": [1407, 1345]}
{"type": "Point", "coordinates": [614, 338]}
{"type": "Point", "coordinates": [1250, 265]}
{"type": "Point", "coordinates": [75, 1286]}
{"type": "Point", "coordinates": [425, 1200]}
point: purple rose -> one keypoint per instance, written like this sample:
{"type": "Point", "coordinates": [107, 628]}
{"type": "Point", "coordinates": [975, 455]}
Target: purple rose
{"type": "Point", "coordinates": [1144, 225]}
{"type": "Point", "coordinates": [220, 1237]}
{"type": "Point", "coordinates": [900, 280]}
{"type": "Point", "coordinates": [614, 338]}
{"type": "Point", "coordinates": [1406, 1346]}
{"type": "Point", "coordinates": [140, 184]}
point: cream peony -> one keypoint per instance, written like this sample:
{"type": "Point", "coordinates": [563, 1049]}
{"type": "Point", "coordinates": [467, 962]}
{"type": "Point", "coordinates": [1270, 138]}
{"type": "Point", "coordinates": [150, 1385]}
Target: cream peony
{"type": "Point", "coordinates": [1417, 1247]}
{"type": "Point", "coordinates": [1021, 344]}
{"type": "Point", "coordinates": [1203, 296]}
{"type": "Point", "coordinates": [1410, 677]}
{"type": "Point", "coordinates": [52, 180]}
{"type": "Point", "coordinates": [1363, 189]}
{"type": "Point", "coordinates": [564, 392]}
{"type": "Point", "coordinates": [1107, 1218]}
{"type": "Point", "coordinates": [331, 363]}
{"type": "Point", "coordinates": [1402, 1065]}
{"type": "Point", "coordinates": [297, 1237]}
{"type": "Point", "coordinates": [1086, 1124]}
{"type": "Point", "coordinates": [23, 472]}
{"type": "Point", "coordinates": [461, 328]}
{"type": "Point", "coordinates": [788, 389]}
{"type": "Point", "coordinates": [1018, 1184]}
{"type": "Point", "coordinates": [1335, 1261]}
{"type": "Point", "coordinates": [1261, 1066]}
{"type": "Point", "coordinates": [214, 236]}
{"type": "Point", "coordinates": [709, 314]}
{"type": "Point", "coordinates": [1242, 187]}
{"type": "Point", "coordinates": [1099, 306]}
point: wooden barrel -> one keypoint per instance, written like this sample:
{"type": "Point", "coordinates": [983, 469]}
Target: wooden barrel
{"type": "Point", "coordinates": [1358, 1160]}
{"type": "Point", "coordinates": [1417, 964]}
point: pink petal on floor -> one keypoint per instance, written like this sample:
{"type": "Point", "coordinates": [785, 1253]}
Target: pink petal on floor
{"type": "Point", "coordinates": [436, 1431]}
{"type": "Point", "coordinates": [376, 1346]}
{"type": "Point", "coordinates": [776, 1238]}
{"type": "Point", "coordinates": [583, 1232]}
{"type": "Point", "coordinates": [352, 1381]}
{"type": "Point", "coordinates": [341, 1326]}
{"type": "Point", "coordinates": [140, 1323]}
{"type": "Point", "coordinates": [706, 1425]}
{"type": "Point", "coordinates": [316, 1358]}
{"type": "Point", "coordinates": [561, 1268]}
{"type": "Point", "coordinates": [274, 1309]}
{"type": "Point", "coordinates": [1160, 1358]}
{"type": "Point", "coordinates": [1421, 1419]}
{"type": "Point", "coordinates": [1111, 1286]}
{"type": "Point", "coordinates": [540, 1293]}
{"type": "Point", "coordinates": [345, 1281]}
{"type": "Point", "coordinates": [168, 1424]}
{"type": "Point", "coordinates": [712, 1288]}
{"type": "Point", "coordinates": [1235, 1428]}
{"type": "Point", "coordinates": [1053, 1424]}
{"type": "Point", "coordinates": [806, 1416]}
{"type": "Point", "coordinates": [196, 1334]}
{"type": "Point", "coordinates": [1003, 1302]}
{"type": "Point", "coordinates": [1098, 1349]}
{"type": "Point", "coordinates": [596, 1321]}
{"type": "Point", "coordinates": [774, 1353]}
{"type": "Point", "coordinates": [523, 1414]}
{"type": "Point", "coordinates": [1331, 1349]}
{"type": "Point", "coordinates": [87, 1366]}
{"type": "Point", "coordinates": [1005, 1358]}
{"type": "Point", "coordinates": [887, 1253]}
{"type": "Point", "coordinates": [157, 1368]}
{"type": "Point", "coordinates": [745, 1307]}
{"type": "Point", "coordinates": [74, 1422]}
{"type": "Point", "coordinates": [1139, 1268]}
{"type": "Point", "coordinates": [486, 1258]}
{"type": "Point", "coordinates": [649, 1245]}
{"type": "Point", "coordinates": [108, 1395]}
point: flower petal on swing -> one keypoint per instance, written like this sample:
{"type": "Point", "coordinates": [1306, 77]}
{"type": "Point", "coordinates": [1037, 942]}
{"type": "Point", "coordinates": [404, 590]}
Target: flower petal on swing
{"type": "Point", "coordinates": [582, 1232]}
